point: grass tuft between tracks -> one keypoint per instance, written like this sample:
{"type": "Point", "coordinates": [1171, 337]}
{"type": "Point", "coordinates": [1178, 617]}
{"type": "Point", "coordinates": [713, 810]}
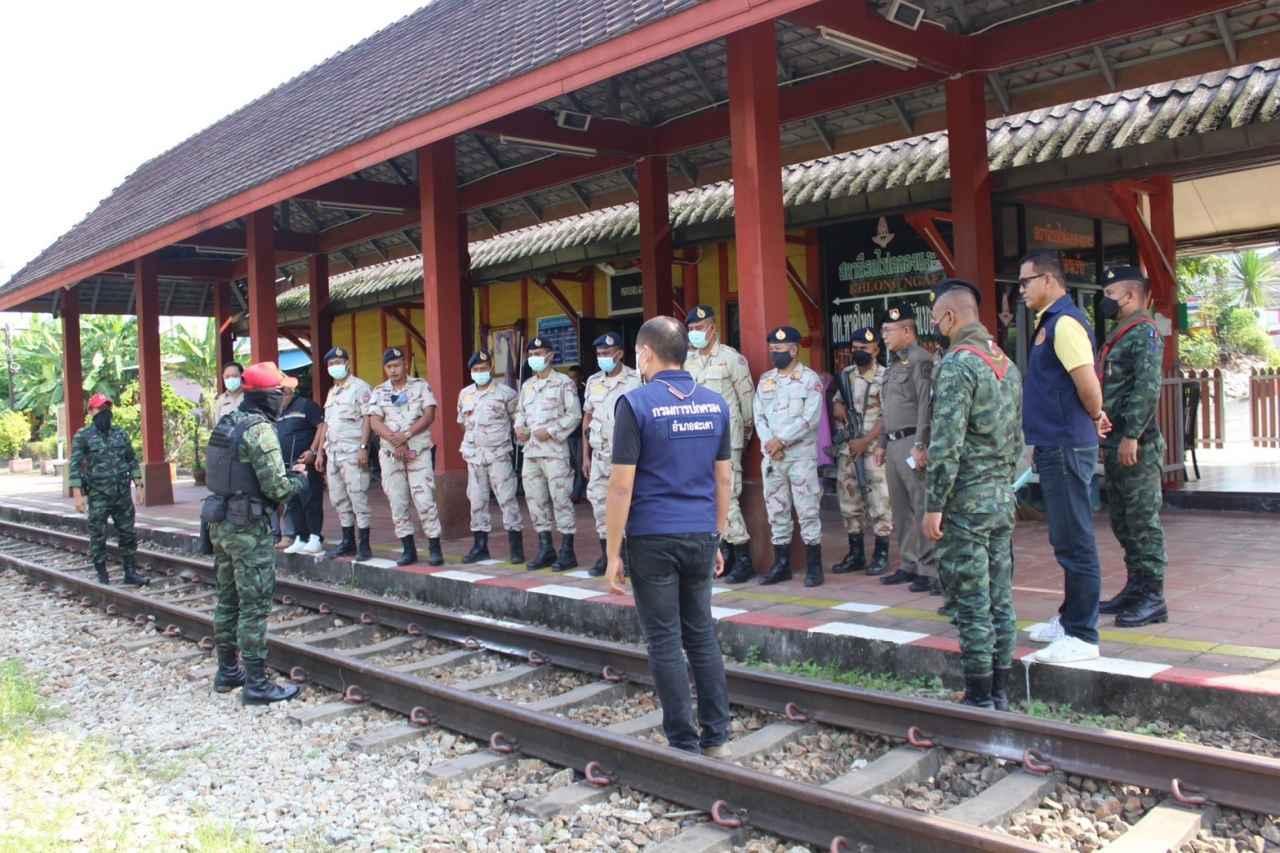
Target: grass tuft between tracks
{"type": "Point", "coordinates": [927, 686]}
{"type": "Point", "coordinates": [60, 791]}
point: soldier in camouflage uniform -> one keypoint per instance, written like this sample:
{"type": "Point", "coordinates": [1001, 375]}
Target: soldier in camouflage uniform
{"type": "Point", "coordinates": [343, 440]}
{"type": "Point", "coordinates": [603, 390]}
{"type": "Point", "coordinates": [401, 411]}
{"type": "Point", "coordinates": [248, 479]}
{"type": "Point", "coordinates": [724, 370]}
{"type": "Point", "coordinates": [1133, 451]}
{"type": "Point", "coordinates": [975, 446]}
{"type": "Point", "coordinates": [485, 410]}
{"type": "Point", "coordinates": [547, 413]}
{"type": "Point", "coordinates": [104, 467]}
{"type": "Point", "coordinates": [788, 408]}
{"type": "Point", "coordinates": [862, 504]}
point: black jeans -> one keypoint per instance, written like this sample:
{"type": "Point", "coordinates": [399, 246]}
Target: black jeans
{"type": "Point", "coordinates": [1065, 476]}
{"type": "Point", "coordinates": [306, 510]}
{"type": "Point", "coordinates": [671, 576]}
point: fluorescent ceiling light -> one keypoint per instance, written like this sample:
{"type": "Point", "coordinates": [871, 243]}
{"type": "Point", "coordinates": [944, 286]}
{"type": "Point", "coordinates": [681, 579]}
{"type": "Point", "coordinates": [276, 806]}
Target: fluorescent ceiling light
{"type": "Point", "coordinates": [870, 50]}
{"type": "Point", "coordinates": [553, 147]}
{"type": "Point", "coordinates": [357, 206]}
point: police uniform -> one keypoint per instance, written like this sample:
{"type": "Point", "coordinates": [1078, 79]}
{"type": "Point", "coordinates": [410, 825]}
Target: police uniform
{"type": "Point", "coordinates": [102, 466]}
{"type": "Point", "coordinates": [788, 407]}
{"type": "Point", "coordinates": [603, 391]}
{"type": "Point", "coordinates": [549, 403]}
{"type": "Point", "coordinates": [906, 411]}
{"type": "Point", "coordinates": [1130, 365]}
{"type": "Point", "coordinates": [344, 437]}
{"type": "Point", "coordinates": [863, 504]}
{"type": "Point", "coordinates": [410, 482]}
{"type": "Point", "coordinates": [724, 370]}
{"type": "Point", "coordinates": [486, 413]}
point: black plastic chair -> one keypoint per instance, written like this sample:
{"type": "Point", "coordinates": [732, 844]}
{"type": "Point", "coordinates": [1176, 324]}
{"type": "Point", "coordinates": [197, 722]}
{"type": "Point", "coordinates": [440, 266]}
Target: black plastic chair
{"type": "Point", "coordinates": [1190, 419]}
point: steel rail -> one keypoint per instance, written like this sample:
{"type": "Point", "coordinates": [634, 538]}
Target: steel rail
{"type": "Point", "coordinates": [1226, 777]}
{"type": "Point", "coordinates": [790, 809]}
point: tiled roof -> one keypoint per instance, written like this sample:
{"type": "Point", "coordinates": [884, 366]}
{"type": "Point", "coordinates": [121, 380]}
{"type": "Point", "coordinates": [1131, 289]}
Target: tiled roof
{"type": "Point", "coordinates": [427, 60]}
{"type": "Point", "coordinates": [1240, 96]}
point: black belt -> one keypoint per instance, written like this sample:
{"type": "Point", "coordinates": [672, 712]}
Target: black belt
{"type": "Point", "coordinates": [902, 433]}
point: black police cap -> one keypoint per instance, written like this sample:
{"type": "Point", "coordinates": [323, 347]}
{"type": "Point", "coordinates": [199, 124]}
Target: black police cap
{"type": "Point", "coordinates": [865, 335]}
{"type": "Point", "coordinates": [481, 358]}
{"type": "Point", "coordinates": [335, 352]}
{"type": "Point", "coordinates": [784, 335]}
{"type": "Point", "coordinates": [899, 311]}
{"type": "Point", "coordinates": [392, 354]}
{"type": "Point", "coordinates": [538, 343]}
{"type": "Point", "coordinates": [699, 313]}
{"type": "Point", "coordinates": [1115, 274]}
{"type": "Point", "coordinates": [607, 341]}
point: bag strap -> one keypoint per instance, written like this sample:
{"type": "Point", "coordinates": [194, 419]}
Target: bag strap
{"type": "Point", "coordinates": [998, 368]}
{"type": "Point", "coordinates": [1100, 364]}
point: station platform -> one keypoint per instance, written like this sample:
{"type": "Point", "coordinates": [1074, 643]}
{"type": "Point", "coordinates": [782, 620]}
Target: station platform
{"type": "Point", "coordinates": [1223, 590]}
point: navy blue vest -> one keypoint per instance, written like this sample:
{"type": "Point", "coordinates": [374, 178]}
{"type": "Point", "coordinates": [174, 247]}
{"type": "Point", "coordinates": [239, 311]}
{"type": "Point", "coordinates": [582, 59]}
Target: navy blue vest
{"type": "Point", "coordinates": [1052, 414]}
{"type": "Point", "coordinates": [675, 485]}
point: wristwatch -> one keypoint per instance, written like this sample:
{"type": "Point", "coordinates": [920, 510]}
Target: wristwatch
{"type": "Point", "coordinates": [364, 447]}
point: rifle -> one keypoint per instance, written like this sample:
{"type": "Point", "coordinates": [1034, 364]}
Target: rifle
{"type": "Point", "coordinates": [853, 427]}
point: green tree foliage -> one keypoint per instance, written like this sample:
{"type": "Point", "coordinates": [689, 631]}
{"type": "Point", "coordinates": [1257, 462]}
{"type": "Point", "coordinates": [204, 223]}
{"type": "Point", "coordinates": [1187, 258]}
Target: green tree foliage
{"type": "Point", "coordinates": [1199, 350]}
{"type": "Point", "coordinates": [1200, 276]}
{"type": "Point", "coordinates": [193, 356]}
{"type": "Point", "coordinates": [179, 420]}
{"type": "Point", "coordinates": [1251, 274]}
{"type": "Point", "coordinates": [15, 432]}
{"type": "Point", "coordinates": [1240, 333]}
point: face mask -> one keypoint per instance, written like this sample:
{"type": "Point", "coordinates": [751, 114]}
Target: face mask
{"type": "Point", "coordinates": [102, 420]}
{"type": "Point", "coordinates": [861, 358]}
{"type": "Point", "coordinates": [537, 363]}
{"type": "Point", "coordinates": [697, 338]}
{"type": "Point", "coordinates": [606, 363]}
{"type": "Point", "coordinates": [268, 403]}
{"type": "Point", "coordinates": [232, 383]}
{"type": "Point", "coordinates": [780, 359]}
{"type": "Point", "coordinates": [338, 371]}
{"type": "Point", "coordinates": [481, 377]}
{"type": "Point", "coordinates": [1110, 308]}
{"type": "Point", "coordinates": [944, 341]}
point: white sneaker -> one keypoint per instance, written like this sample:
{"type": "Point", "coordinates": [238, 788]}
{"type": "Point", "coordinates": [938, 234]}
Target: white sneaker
{"type": "Point", "coordinates": [314, 546]}
{"type": "Point", "coordinates": [1066, 650]}
{"type": "Point", "coordinates": [1046, 632]}
{"type": "Point", "coordinates": [296, 547]}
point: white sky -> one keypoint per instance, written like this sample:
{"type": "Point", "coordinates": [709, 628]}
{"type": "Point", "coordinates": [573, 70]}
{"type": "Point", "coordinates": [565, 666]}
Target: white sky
{"type": "Point", "coordinates": [92, 90]}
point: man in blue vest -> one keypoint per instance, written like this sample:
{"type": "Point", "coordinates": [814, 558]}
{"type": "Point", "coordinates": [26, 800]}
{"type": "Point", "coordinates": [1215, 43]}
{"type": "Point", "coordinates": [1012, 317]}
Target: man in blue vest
{"type": "Point", "coordinates": [1061, 418]}
{"type": "Point", "coordinates": [669, 495]}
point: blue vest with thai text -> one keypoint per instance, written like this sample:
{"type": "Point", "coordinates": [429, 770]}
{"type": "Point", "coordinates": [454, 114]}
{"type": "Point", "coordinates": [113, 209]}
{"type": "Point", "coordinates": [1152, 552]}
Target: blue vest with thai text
{"type": "Point", "coordinates": [1052, 414]}
{"type": "Point", "coordinates": [675, 483]}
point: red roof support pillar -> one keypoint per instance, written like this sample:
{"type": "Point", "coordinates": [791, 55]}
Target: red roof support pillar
{"type": "Point", "coordinates": [157, 487]}
{"type": "Point", "coordinates": [222, 313]}
{"type": "Point", "coordinates": [972, 224]}
{"type": "Point", "coordinates": [259, 243]}
{"type": "Point", "coordinates": [320, 324]}
{"type": "Point", "coordinates": [655, 237]}
{"type": "Point", "coordinates": [72, 367]}
{"type": "Point", "coordinates": [1164, 288]}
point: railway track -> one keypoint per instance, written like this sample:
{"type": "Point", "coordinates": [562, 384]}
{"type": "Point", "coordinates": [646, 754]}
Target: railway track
{"type": "Point", "coordinates": [839, 812]}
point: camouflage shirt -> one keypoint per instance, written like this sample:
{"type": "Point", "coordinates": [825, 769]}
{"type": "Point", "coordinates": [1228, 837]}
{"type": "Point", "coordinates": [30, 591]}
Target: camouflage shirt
{"type": "Point", "coordinates": [976, 441]}
{"type": "Point", "coordinates": [1131, 377]}
{"type": "Point", "coordinates": [103, 464]}
{"type": "Point", "coordinates": [260, 447]}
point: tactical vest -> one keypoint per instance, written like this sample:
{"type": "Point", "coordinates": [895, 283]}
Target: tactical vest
{"type": "Point", "coordinates": [227, 476]}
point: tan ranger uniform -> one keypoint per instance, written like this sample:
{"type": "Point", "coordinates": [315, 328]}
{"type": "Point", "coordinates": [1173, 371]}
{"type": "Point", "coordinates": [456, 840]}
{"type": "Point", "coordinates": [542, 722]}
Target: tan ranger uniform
{"type": "Point", "coordinates": [724, 370]}
{"type": "Point", "coordinates": [788, 407]}
{"type": "Point", "coordinates": [486, 415]}
{"type": "Point", "coordinates": [550, 404]}
{"type": "Point", "coordinates": [348, 483]}
{"type": "Point", "coordinates": [602, 396]}
{"type": "Point", "coordinates": [226, 402]}
{"type": "Point", "coordinates": [412, 482]}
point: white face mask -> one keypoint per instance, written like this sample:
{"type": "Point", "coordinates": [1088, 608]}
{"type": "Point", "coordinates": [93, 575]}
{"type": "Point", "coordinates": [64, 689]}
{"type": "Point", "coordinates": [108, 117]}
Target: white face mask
{"type": "Point", "coordinates": [537, 363]}
{"type": "Point", "coordinates": [481, 377]}
{"type": "Point", "coordinates": [232, 383]}
{"type": "Point", "coordinates": [338, 371]}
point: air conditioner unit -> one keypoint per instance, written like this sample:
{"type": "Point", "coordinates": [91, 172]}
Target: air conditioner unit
{"type": "Point", "coordinates": [570, 120]}
{"type": "Point", "coordinates": [905, 14]}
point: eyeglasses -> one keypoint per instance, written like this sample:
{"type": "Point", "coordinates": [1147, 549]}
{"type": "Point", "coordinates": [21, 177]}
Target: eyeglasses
{"type": "Point", "coordinates": [1023, 282]}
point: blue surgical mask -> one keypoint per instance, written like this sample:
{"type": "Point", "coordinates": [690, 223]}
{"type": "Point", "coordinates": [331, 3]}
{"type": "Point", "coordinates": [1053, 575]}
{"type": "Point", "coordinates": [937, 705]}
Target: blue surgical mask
{"type": "Point", "coordinates": [537, 363]}
{"type": "Point", "coordinates": [338, 371]}
{"type": "Point", "coordinates": [232, 383]}
{"type": "Point", "coordinates": [481, 377]}
{"type": "Point", "coordinates": [697, 338]}
{"type": "Point", "coordinates": [607, 364]}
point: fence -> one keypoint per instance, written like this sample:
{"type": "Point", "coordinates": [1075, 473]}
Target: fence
{"type": "Point", "coordinates": [1264, 407]}
{"type": "Point", "coordinates": [1175, 416]}
{"type": "Point", "coordinates": [1211, 429]}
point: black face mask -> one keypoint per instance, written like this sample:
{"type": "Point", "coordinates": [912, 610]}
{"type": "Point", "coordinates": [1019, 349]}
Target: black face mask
{"type": "Point", "coordinates": [780, 359]}
{"type": "Point", "coordinates": [267, 403]}
{"type": "Point", "coordinates": [862, 358]}
{"type": "Point", "coordinates": [944, 341]}
{"type": "Point", "coordinates": [102, 420]}
{"type": "Point", "coordinates": [1110, 308]}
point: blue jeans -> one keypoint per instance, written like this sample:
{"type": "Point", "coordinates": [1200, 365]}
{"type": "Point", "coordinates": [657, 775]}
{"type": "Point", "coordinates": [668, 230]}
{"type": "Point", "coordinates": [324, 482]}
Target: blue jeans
{"type": "Point", "coordinates": [671, 576]}
{"type": "Point", "coordinates": [1065, 477]}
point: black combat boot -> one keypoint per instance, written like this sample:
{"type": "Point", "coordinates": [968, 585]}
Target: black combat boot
{"type": "Point", "coordinates": [1124, 599]}
{"type": "Point", "coordinates": [408, 551]}
{"type": "Point", "coordinates": [729, 553]}
{"type": "Point", "coordinates": [598, 568]}
{"type": "Point", "coordinates": [781, 569]}
{"type": "Point", "coordinates": [855, 560]}
{"type": "Point", "coordinates": [230, 674]}
{"type": "Point", "coordinates": [899, 577]}
{"type": "Point", "coordinates": [479, 547]}
{"type": "Point", "coordinates": [515, 543]}
{"type": "Point", "coordinates": [435, 556]}
{"type": "Point", "coordinates": [546, 552]}
{"type": "Point", "coordinates": [1149, 608]}
{"type": "Point", "coordinates": [1000, 688]}
{"type": "Point", "coordinates": [567, 559]}
{"type": "Point", "coordinates": [743, 570]}
{"type": "Point", "coordinates": [259, 689]}
{"type": "Point", "coordinates": [922, 584]}
{"type": "Point", "coordinates": [813, 565]}
{"type": "Point", "coordinates": [977, 691]}
{"type": "Point", "coordinates": [132, 577]}
{"type": "Point", "coordinates": [101, 569]}
{"type": "Point", "coordinates": [363, 551]}
{"type": "Point", "coordinates": [879, 558]}
{"type": "Point", "coordinates": [347, 547]}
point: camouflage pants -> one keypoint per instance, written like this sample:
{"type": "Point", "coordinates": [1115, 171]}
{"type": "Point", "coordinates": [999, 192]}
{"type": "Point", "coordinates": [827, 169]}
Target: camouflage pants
{"type": "Point", "coordinates": [410, 484]}
{"type": "Point", "coordinates": [498, 477]}
{"type": "Point", "coordinates": [863, 511]}
{"type": "Point", "coordinates": [598, 487]}
{"type": "Point", "coordinates": [793, 483]}
{"type": "Point", "coordinates": [548, 481]}
{"type": "Point", "coordinates": [736, 532]}
{"type": "Point", "coordinates": [119, 508]}
{"type": "Point", "coordinates": [245, 564]}
{"type": "Point", "coordinates": [348, 489]}
{"type": "Point", "coordinates": [975, 565]}
{"type": "Point", "coordinates": [907, 496]}
{"type": "Point", "coordinates": [1134, 498]}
